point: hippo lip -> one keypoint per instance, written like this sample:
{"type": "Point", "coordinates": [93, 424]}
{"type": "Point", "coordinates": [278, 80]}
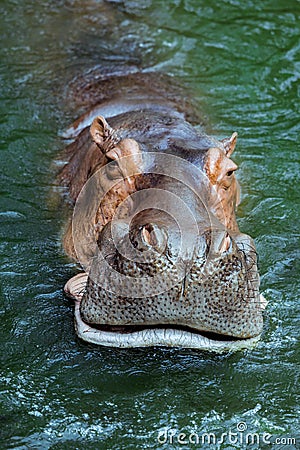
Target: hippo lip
{"type": "Point", "coordinates": [149, 336]}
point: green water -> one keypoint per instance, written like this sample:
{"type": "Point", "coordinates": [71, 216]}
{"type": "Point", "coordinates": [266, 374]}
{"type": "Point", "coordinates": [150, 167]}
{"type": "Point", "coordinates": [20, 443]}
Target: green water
{"type": "Point", "coordinates": [241, 59]}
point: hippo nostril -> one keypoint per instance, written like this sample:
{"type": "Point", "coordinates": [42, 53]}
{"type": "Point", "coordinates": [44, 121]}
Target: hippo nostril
{"type": "Point", "coordinates": [148, 235]}
{"type": "Point", "coordinates": [221, 242]}
{"type": "Point", "coordinates": [225, 244]}
{"type": "Point", "coordinates": [154, 236]}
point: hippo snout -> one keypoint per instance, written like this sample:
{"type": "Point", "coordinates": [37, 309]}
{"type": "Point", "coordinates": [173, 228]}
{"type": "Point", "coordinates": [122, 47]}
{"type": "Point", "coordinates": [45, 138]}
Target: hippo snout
{"type": "Point", "coordinates": [142, 279]}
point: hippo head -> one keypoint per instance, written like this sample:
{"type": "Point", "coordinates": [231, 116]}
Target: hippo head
{"type": "Point", "coordinates": [156, 233]}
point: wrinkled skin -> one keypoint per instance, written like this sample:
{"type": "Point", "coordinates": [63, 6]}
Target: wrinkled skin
{"type": "Point", "coordinates": [201, 298]}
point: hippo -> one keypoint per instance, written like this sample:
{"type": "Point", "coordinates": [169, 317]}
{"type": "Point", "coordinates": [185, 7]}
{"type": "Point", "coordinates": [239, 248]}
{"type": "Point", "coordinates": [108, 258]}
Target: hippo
{"type": "Point", "coordinates": [154, 226]}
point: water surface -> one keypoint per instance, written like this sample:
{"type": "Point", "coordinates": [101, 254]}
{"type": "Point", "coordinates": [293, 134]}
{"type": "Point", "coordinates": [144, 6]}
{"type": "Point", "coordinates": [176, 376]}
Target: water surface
{"type": "Point", "coordinates": [241, 60]}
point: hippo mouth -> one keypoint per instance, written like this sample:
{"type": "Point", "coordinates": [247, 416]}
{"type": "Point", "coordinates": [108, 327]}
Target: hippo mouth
{"type": "Point", "coordinates": [149, 336]}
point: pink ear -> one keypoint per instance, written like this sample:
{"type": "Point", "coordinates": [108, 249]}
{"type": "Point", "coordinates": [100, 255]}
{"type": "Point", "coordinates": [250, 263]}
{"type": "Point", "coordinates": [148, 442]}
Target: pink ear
{"type": "Point", "coordinates": [230, 143]}
{"type": "Point", "coordinates": [103, 135]}
{"type": "Point", "coordinates": [100, 130]}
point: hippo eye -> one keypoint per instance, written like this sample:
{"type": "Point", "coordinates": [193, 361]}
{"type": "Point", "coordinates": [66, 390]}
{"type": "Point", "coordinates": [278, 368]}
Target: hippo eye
{"type": "Point", "coordinates": [113, 170]}
{"type": "Point", "coordinates": [228, 177]}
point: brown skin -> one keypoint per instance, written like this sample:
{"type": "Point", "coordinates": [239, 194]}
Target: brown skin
{"type": "Point", "coordinates": [83, 164]}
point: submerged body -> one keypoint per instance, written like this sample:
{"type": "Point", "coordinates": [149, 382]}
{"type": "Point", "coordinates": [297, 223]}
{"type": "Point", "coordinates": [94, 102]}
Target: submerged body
{"type": "Point", "coordinates": [154, 227]}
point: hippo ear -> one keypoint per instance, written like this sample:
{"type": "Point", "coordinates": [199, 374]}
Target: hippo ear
{"type": "Point", "coordinates": [103, 135]}
{"type": "Point", "coordinates": [108, 141]}
{"type": "Point", "coordinates": [230, 143]}
{"type": "Point", "coordinates": [100, 130]}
